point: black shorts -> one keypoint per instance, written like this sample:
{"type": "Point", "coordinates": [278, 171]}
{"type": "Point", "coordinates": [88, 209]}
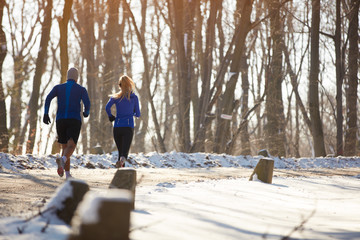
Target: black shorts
{"type": "Point", "coordinates": [68, 128]}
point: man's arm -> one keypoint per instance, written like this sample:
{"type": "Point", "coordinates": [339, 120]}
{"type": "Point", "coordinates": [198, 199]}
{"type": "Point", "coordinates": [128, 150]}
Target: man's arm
{"type": "Point", "coordinates": [49, 97]}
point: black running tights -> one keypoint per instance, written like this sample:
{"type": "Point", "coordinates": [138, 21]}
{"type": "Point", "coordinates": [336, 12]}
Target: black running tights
{"type": "Point", "coordinates": [123, 137]}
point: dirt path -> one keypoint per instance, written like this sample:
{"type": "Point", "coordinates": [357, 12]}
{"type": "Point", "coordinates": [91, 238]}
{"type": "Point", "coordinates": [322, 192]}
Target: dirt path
{"type": "Point", "coordinates": [25, 192]}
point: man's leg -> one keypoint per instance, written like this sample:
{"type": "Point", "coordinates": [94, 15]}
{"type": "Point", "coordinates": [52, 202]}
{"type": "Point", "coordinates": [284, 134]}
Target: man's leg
{"type": "Point", "coordinates": [68, 150]}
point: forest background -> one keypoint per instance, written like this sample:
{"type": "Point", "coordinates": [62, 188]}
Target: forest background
{"type": "Point", "coordinates": [231, 76]}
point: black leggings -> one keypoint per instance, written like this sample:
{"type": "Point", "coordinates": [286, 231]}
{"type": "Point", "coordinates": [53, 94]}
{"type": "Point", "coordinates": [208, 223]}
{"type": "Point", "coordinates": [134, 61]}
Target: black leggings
{"type": "Point", "coordinates": [123, 137]}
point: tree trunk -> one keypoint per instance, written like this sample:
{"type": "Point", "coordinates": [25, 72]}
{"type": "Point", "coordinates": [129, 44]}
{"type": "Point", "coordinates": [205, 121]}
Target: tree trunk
{"type": "Point", "coordinates": [63, 27]}
{"type": "Point", "coordinates": [85, 26]}
{"type": "Point", "coordinates": [244, 134]}
{"type": "Point", "coordinates": [112, 69]}
{"type": "Point", "coordinates": [297, 131]}
{"type": "Point", "coordinates": [40, 67]}
{"type": "Point", "coordinates": [275, 129]}
{"type": "Point", "coordinates": [339, 82]}
{"type": "Point", "coordinates": [351, 90]}
{"type": "Point", "coordinates": [184, 87]}
{"type": "Point", "coordinates": [22, 59]}
{"type": "Point", "coordinates": [264, 170]}
{"type": "Point", "coordinates": [197, 69]}
{"type": "Point", "coordinates": [142, 123]}
{"type": "Point", "coordinates": [206, 72]}
{"type": "Point", "coordinates": [147, 79]}
{"type": "Point", "coordinates": [4, 135]}
{"type": "Point", "coordinates": [316, 124]}
{"type": "Point", "coordinates": [16, 103]}
{"type": "Point", "coordinates": [223, 125]}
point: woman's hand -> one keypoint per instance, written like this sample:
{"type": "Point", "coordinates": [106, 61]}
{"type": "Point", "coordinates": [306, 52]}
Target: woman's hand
{"type": "Point", "coordinates": [111, 118]}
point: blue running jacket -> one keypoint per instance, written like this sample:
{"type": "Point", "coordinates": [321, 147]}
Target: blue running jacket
{"type": "Point", "coordinates": [68, 95]}
{"type": "Point", "coordinates": [125, 110]}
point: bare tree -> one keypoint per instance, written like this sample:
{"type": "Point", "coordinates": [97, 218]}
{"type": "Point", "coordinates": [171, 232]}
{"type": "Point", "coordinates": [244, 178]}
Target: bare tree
{"type": "Point", "coordinates": [63, 27]}
{"type": "Point", "coordinates": [85, 24]}
{"type": "Point", "coordinates": [183, 72]}
{"type": "Point", "coordinates": [245, 85]}
{"type": "Point", "coordinates": [206, 75]}
{"type": "Point", "coordinates": [339, 81]}
{"type": "Point", "coordinates": [21, 53]}
{"type": "Point", "coordinates": [4, 135]}
{"type": "Point", "coordinates": [143, 122]}
{"type": "Point", "coordinates": [147, 78]}
{"type": "Point", "coordinates": [316, 124]}
{"type": "Point", "coordinates": [227, 106]}
{"type": "Point", "coordinates": [40, 67]}
{"type": "Point", "coordinates": [112, 67]}
{"type": "Point", "coordinates": [351, 90]}
{"type": "Point", "coordinates": [275, 128]}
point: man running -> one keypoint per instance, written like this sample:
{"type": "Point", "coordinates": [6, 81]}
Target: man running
{"type": "Point", "coordinates": [68, 119]}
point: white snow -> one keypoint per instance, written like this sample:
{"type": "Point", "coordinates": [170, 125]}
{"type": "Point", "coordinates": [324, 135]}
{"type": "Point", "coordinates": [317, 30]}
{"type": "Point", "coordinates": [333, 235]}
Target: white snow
{"type": "Point", "coordinates": [58, 199]}
{"type": "Point", "coordinates": [299, 207]}
{"type": "Point", "coordinates": [173, 160]}
{"type": "Point", "coordinates": [242, 209]}
{"type": "Point", "coordinates": [92, 201]}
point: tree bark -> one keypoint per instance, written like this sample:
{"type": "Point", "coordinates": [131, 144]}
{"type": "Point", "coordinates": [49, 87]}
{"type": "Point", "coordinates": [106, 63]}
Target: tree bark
{"type": "Point", "coordinates": [264, 170]}
{"type": "Point", "coordinates": [316, 124]}
{"type": "Point", "coordinates": [147, 79]}
{"type": "Point", "coordinates": [206, 72]}
{"type": "Point", "coordinates": [275, 128]}
{"type": "Point", "coordinates": [4, 135]}
{"type": "Point", "coordinates": [339, 82]}
{"type": "Point", "coordinates": [112, 68]}
{"type": "Point", "coordinates": [142, 123]}
{"type": "Point", "coordinates": [63, 27]}
{"type": "Point", "coordinates": [351, 90]}
{"type": "Point", "coordinates": [40, 67]}
{"type": "Point", "coordinates": [223, 126]}
{"type": "Point", "coordinates": [16, 103]}
{"type": "Point", "coordinates": [183, 75]}
{"type": "Point", "coordinates": [85, 25]}
{"type": "Point", "coordinates": [198, 64]}
{"type": "Point", "coordinates": [21, 54]}
{"type": "Point", "coordinates": [244, 134]}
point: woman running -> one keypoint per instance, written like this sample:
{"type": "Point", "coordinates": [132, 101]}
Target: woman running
{"type": "Point", "coordinates": [127, 106]}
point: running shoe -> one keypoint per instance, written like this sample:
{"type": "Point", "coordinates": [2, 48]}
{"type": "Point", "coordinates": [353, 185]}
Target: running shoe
{"type": "Point", "coordinates": [121, 162]}
{"type": "Point", "coordinates": [61, 165]}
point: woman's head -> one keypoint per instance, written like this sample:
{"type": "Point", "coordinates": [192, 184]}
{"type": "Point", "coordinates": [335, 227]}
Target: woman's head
{"type": "Point", "coordinates": [126, 85]}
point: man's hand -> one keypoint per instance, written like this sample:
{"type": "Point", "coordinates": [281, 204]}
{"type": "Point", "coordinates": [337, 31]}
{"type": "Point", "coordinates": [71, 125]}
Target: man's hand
{"type": "Point", "coordinates": [85, 114]}
{"type": "Point", "coordinates": [46, 119]}
{"type": "Point", "coordinates": [111, 118]}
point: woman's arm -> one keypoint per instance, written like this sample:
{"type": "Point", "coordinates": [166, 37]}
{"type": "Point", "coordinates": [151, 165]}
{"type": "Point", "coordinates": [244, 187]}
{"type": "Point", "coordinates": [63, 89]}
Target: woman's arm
{"type": "Point", "coordinates": [108, 106]}
{"type": "Point", "coordinates": [137, 108]}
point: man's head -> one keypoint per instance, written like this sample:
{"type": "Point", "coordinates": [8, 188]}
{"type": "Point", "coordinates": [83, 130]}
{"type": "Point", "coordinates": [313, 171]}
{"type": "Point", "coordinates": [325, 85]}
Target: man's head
{"type": "Point", "coordinates": [73, 74]}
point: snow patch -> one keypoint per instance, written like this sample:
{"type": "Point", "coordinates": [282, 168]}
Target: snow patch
{"type": "Point", "coordinates": [89, 207]}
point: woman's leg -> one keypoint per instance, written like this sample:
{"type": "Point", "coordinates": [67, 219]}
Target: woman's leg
{"type": "Point", "coordinates": [118, 137]}
{"type": "Point", "coordinates": [128, 134]}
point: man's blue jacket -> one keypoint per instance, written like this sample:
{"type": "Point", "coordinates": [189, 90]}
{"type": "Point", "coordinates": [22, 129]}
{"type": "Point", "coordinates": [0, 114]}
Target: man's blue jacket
{"type": "Point", "coordinates": [69, 95]}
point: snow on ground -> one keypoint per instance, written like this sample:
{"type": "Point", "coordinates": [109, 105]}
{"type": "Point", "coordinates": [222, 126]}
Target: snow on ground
{"type": "Point", "coordinates": [173, 160]}
{"type": "Point", "coordinates": [242, 209]}
{"type": "Point", "coordinates": [302, 207]}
